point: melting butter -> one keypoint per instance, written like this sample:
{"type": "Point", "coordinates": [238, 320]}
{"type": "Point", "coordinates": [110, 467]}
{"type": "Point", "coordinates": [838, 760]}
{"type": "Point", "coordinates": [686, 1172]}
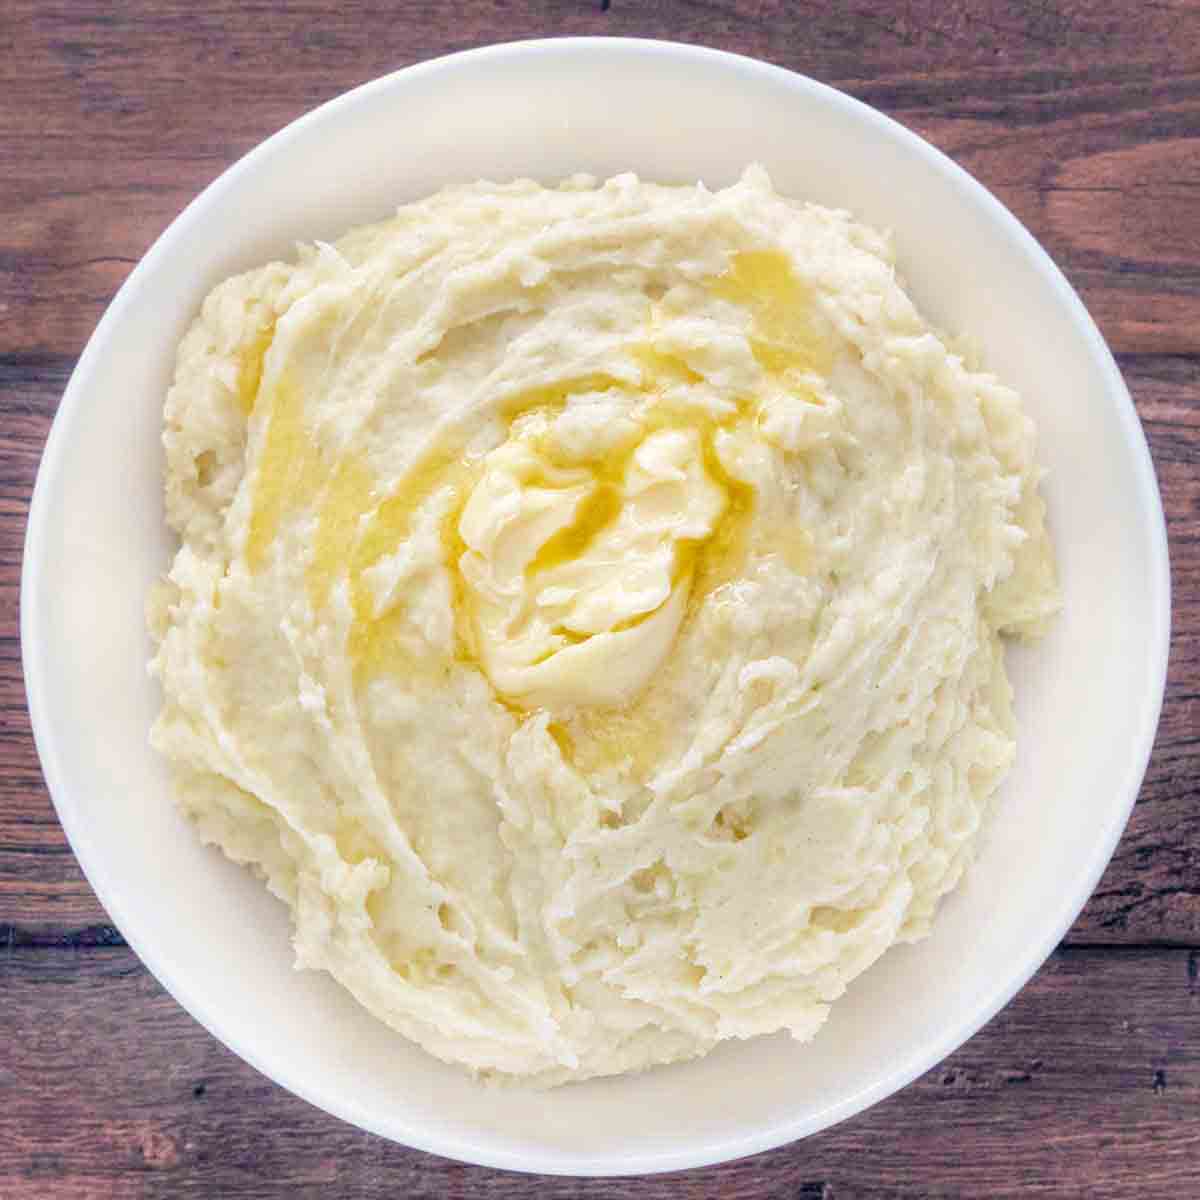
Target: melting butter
{"type": "Point", "coordinates": [250, 368]}
{"type": "Point", "coordinates": [351, 492]}
{"type": "Point", "coordinates": [786, 331]}
{"type": "Point", "coordinates": [575, 593]}
{"type": "Point", "coordinates": [290, 470]}
{"type": "Point", "coordinates": [577, 590]}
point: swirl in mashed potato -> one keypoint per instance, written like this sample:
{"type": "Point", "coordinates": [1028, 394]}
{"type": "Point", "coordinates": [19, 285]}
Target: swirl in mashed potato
{"type": "Point", "coordinates": [588, 612]}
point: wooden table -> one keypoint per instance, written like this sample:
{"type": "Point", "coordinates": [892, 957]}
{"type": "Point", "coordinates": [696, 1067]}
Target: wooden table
{"type": "Point", "coordinates": [1082, 115]}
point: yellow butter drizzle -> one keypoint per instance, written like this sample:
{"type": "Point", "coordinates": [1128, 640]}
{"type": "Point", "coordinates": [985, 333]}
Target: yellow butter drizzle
{"type": "Point", "coordinates": [782, 307]}
{"type": "Point", "coordinates": [600, 738]}
{"type": "Point", "coordinates": [290, 470]}
{"type": "Point", "coordinates": [660, 367]}
{"type": "Point", "coordinates": [375, 639]}
{"type": "Point", "coordinates": [785, 336]}
{"type": "Point", "coordinates": [595, 513]}
{"type": "Point", "coordinates": [373, 642]}
{"type": "Point", "coordinates": [356, 529]}
{"type": "Point", "coordinates": [351, 493]}
{"type": "Point", "coordinates": [250, 368]}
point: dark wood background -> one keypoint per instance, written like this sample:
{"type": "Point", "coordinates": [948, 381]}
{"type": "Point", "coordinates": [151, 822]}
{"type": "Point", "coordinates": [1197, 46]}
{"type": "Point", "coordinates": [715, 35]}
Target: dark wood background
{"type": "Point", "coordinates": [1082, 115]}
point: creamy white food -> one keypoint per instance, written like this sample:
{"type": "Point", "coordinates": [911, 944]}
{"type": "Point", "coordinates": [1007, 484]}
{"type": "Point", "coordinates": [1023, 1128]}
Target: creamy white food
{"type": "Point", "coordinates": [588, 612]}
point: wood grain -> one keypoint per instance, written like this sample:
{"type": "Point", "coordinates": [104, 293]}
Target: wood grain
{"type": "Point", "coordinates": [118, 114]}
{"type": "Point", "coordinates": [1096, 1062]}
{"type": "Point", "coordinates": [1083, 116]}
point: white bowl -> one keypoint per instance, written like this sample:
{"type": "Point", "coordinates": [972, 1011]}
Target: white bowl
{"type": "Point", "coordinates": [1087, 697]}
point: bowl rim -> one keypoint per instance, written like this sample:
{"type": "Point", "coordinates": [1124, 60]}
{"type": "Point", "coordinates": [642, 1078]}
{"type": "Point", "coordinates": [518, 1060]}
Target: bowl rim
{"type": "Point", "coordinates": [712, 1149]}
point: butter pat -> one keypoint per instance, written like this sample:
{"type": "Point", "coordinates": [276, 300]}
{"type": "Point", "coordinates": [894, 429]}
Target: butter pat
{"type": "Point", "coordinates": [578, 582]}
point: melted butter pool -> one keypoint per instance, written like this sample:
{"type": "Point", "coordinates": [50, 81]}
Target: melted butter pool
{"type": "Point", "coordinates": [360, 521]}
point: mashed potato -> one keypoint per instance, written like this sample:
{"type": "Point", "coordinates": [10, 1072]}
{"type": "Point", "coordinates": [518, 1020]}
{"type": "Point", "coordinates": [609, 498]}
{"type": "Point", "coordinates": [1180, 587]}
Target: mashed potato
{"type": "Point", "coordinates": [588, 612]}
